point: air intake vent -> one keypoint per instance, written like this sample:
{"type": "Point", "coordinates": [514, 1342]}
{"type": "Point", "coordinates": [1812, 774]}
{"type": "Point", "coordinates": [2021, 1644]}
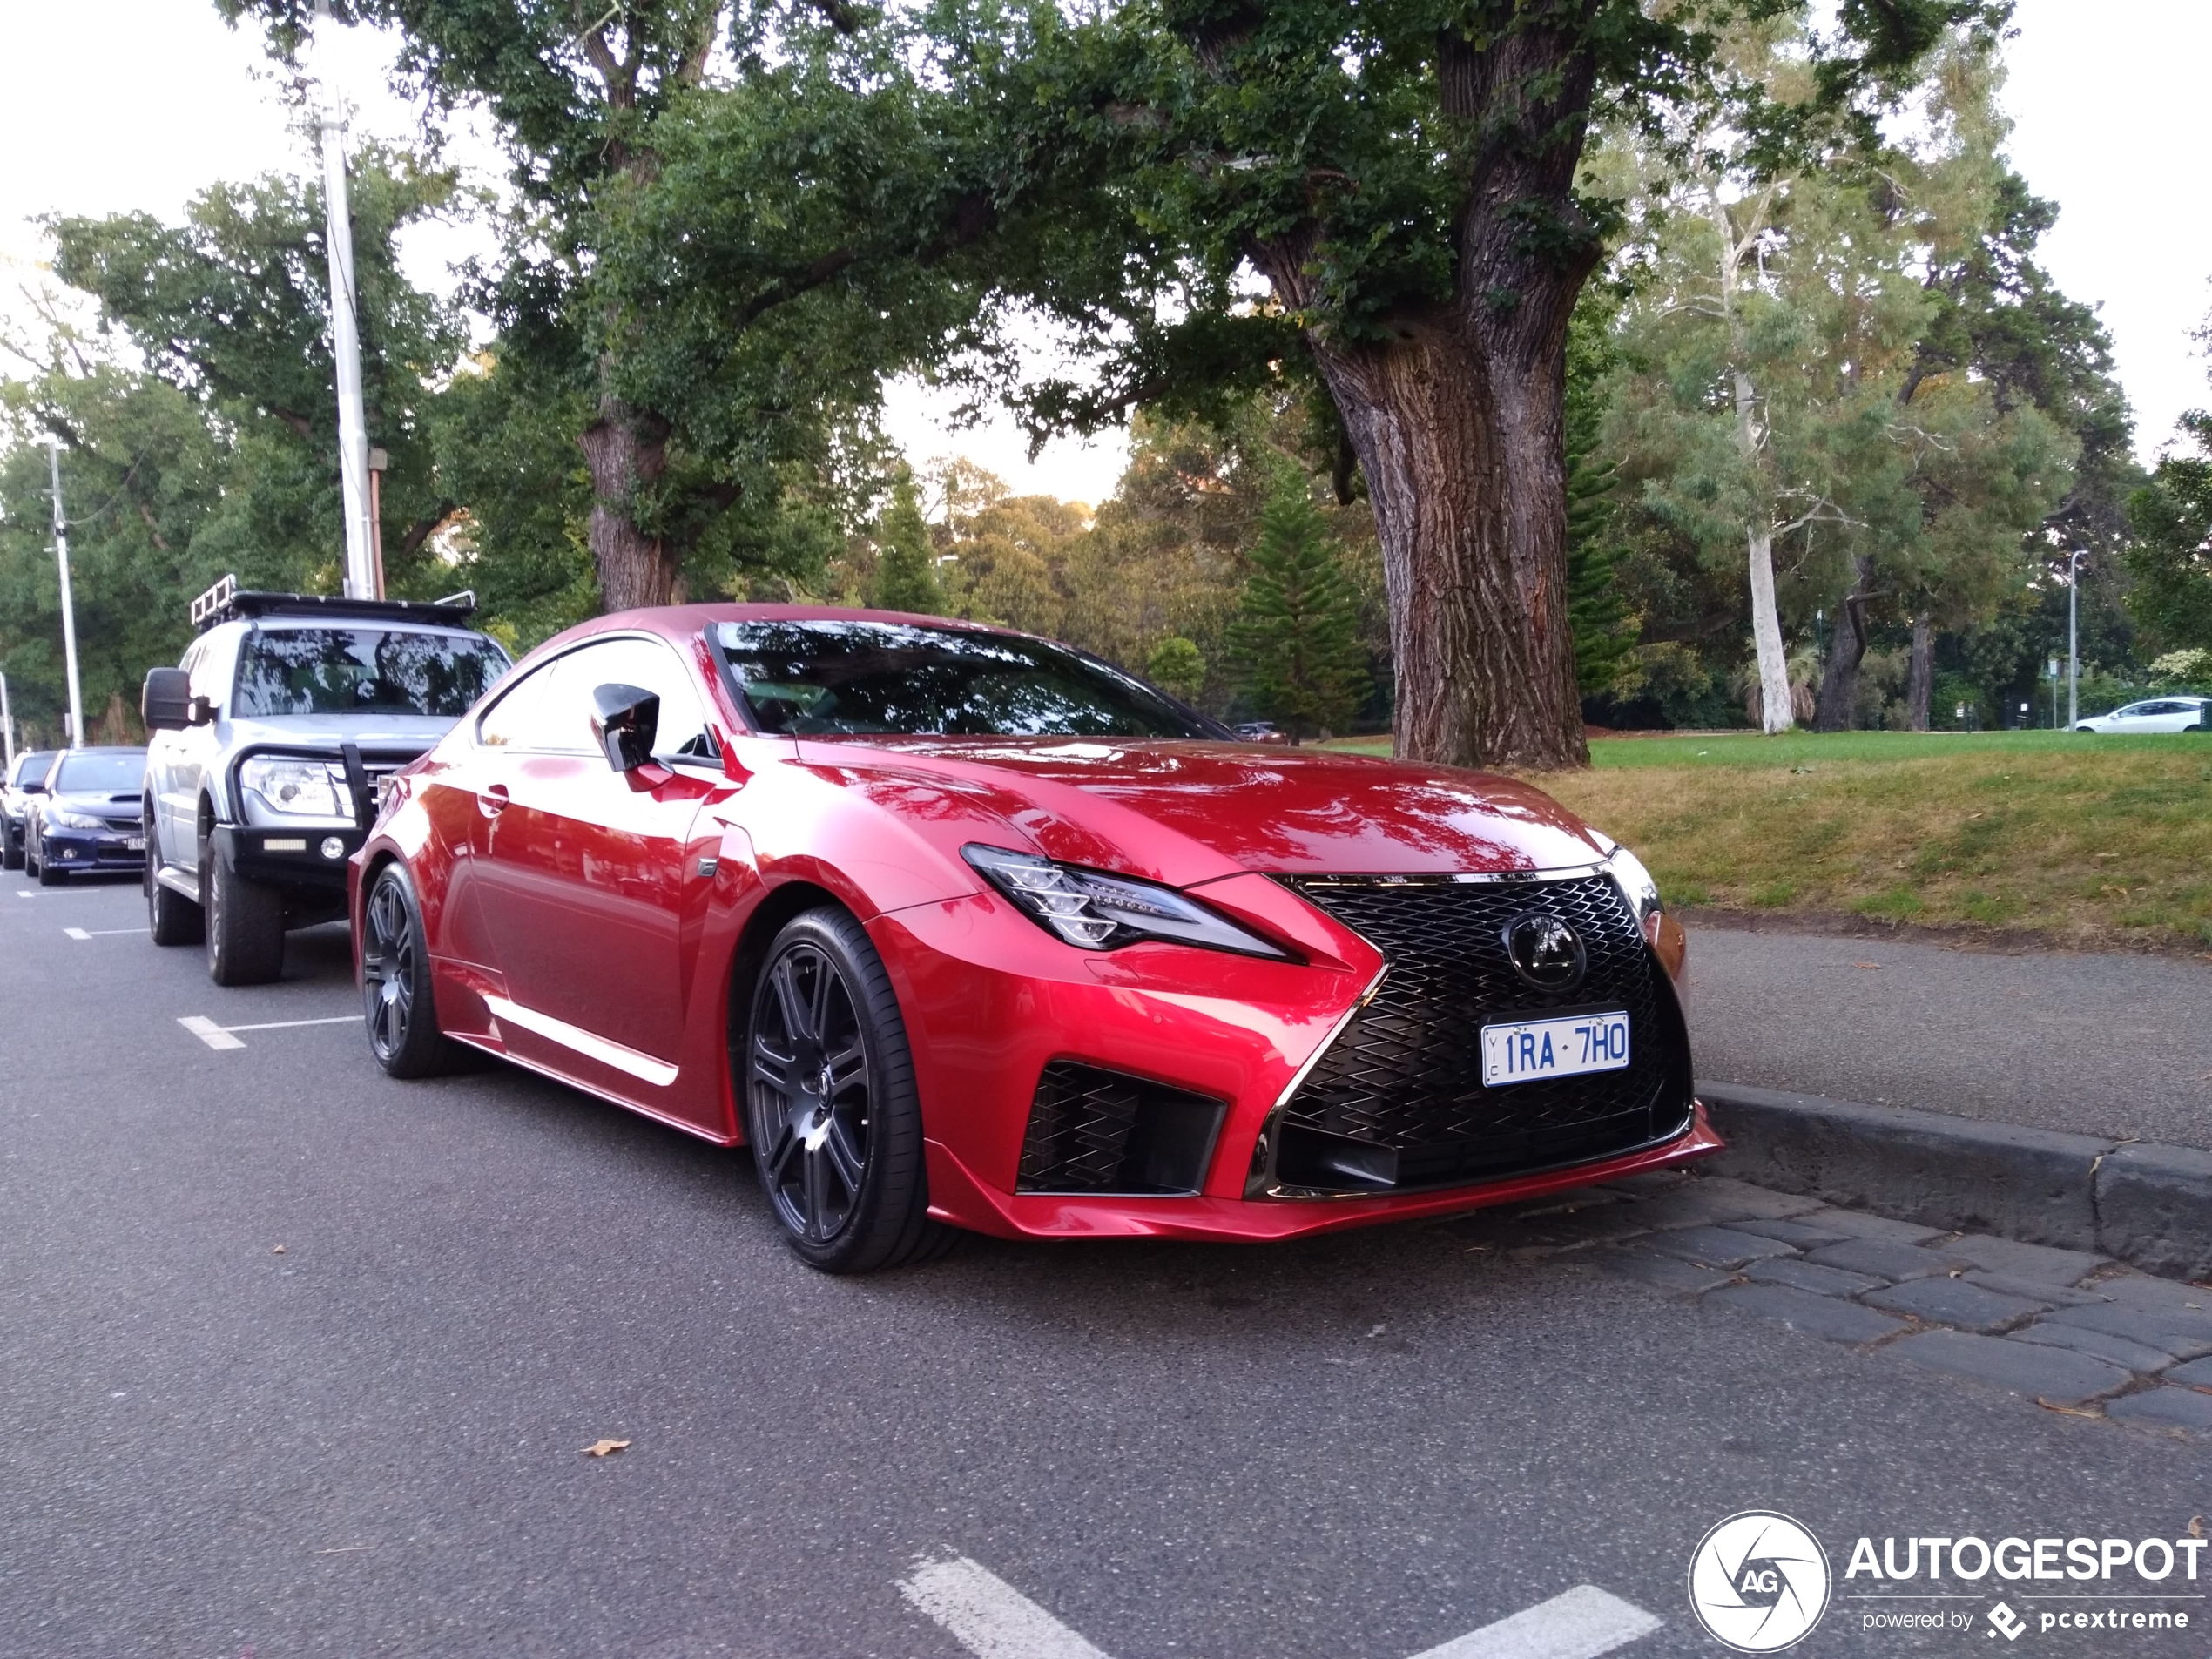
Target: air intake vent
{"type": "Point", "coordinates": [1097, 1131]}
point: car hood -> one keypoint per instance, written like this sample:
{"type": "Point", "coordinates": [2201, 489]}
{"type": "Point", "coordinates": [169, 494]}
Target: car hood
{"type": "Point", "coordinates": [328, 730]}
{"type": "Point", "coordinates": [99, 805]}
{"type": "Point", "coordinates": [1185, 813]}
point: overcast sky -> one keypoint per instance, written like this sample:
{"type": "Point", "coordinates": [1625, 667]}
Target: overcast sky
{"type": "Point", "coordinates": [118, 105]}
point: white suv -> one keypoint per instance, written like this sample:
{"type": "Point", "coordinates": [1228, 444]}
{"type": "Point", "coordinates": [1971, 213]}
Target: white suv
{"type": "Point", "coordinates": [265, 748]}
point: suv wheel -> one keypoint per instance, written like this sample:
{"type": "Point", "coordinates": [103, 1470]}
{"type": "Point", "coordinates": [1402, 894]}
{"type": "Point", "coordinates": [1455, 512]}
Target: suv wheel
{"type": "Point", "coordinates": [244, 924]}
{"type": "Point", "coordinates": [171, 919]}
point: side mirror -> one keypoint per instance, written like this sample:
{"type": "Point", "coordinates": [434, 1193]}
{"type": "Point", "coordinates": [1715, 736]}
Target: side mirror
{"type": "Point", "coordinates": [625, 719]}
{"type": "Point", "coordinates": [165, 703]}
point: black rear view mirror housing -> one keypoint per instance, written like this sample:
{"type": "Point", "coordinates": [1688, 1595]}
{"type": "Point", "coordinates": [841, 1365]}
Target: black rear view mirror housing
{"type": "Point", "coordinates": [626, 720]}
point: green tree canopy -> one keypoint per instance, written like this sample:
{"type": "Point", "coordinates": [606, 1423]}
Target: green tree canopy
{"type": "Point", "coordinates": [1296, 639]}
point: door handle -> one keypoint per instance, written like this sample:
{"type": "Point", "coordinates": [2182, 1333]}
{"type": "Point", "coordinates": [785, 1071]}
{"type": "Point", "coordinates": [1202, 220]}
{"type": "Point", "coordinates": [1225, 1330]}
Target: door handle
{"type": "Point", "coordinates": [493, 801]}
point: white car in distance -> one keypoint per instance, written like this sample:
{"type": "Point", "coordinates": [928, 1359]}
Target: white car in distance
{"type": "Point", "coordinates": [2154, 714]}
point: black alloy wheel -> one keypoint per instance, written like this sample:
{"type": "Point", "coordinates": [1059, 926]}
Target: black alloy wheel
{"type": "Point", "coordinates": [243, 921]}
{"type": "Point", "coordinates": [397, 1004]}
{"type": "Point", "coordinates": [831, 1106]}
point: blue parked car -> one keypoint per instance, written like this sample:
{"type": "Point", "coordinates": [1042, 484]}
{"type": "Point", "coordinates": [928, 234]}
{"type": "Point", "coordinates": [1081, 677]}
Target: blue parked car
{"type": "Point", "coordinates": [26, 782]}
{"type": "Point", "coordinates": [91, 816]}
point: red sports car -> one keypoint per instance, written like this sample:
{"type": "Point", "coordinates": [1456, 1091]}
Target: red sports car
{"type": "Point", "coordinates": [962, 928]}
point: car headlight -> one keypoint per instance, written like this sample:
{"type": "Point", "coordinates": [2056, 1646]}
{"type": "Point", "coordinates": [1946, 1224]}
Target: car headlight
{"type": "Point", "coordinates": [1093, 911]}
{"type": "Point", "coordinates": [297, 788]}
{"type": "Point", "coordinates": [1637, 888]}
{"type": "Point", "coordinates": [61, 820]}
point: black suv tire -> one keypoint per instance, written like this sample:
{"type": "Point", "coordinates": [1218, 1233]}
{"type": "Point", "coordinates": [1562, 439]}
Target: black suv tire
{"type": "Point", "coordinates": [244, 922]}
{"type": "Point", "coordinates": [171, 919]}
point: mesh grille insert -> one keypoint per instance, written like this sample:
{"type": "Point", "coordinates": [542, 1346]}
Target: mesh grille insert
{"type": "Point", "coordinates": [1406, 1073]}
{"type": "Point", "coordinates": [1094, 1130]}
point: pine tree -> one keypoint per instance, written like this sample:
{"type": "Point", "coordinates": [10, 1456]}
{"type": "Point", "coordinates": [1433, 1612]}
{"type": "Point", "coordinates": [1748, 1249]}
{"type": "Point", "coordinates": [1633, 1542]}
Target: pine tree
{"type": "Point", "coordinates": [905, 569]}
{"type": "Point", "coordinates": [1604, 630]}
{"type": "Point", "coordinates": [1296, 639]}
{"type": "Point", "coordinates": [1177, 667]}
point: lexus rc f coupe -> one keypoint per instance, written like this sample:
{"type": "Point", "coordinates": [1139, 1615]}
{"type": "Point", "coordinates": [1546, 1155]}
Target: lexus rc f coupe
{"type": "Point", "coordinates": [959, 928]}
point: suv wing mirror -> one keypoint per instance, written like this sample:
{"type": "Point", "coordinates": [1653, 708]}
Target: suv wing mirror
{"type": "Point", "coordinates": [165, 704]}
{"type": "Point", "coordinates": [626, 720]}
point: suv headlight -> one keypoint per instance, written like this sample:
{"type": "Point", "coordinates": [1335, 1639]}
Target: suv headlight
{"type": "Point", "coordinates": [297, 788]}
{"type": "Point", "coordinates": [1637, 888]}
{"type": "Point", "coordinates": [75, 820]}
{"type": "Point", "coordinates": [1093, 911]}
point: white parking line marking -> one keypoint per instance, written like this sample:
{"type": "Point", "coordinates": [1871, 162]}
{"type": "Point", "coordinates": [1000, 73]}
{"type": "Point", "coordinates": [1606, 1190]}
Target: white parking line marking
{"type": "Point", "coordinates": [208, 1032]}
{"type": "Point", "coordinates": [988, 1617]}
{"type": "Point", "coordinates": [220, 1036]}
{"type": "Point", "coordinates": [100, 933]}
{"type": "Point", "coordinates": [76, 933]}
{"type": "Point", "coordinates": [993, 1620]}
{"type": "Point", "coordinates": [1580, 1624]}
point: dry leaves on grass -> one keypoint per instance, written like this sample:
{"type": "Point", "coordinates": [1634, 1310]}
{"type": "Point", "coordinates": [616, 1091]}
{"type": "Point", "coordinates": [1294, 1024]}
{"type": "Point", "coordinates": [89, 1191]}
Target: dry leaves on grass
{"type": "Point", "coordinates": [605, 1448]}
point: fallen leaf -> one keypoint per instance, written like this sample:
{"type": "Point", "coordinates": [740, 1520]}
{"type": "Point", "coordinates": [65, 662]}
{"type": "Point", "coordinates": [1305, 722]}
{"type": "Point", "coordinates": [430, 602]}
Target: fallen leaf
{"type": "Point", "coordinates": [2196, 1526]}
{"type": "Point", "coordinates": [2067, 1411]}
{"type": "Point", "coordinates": [1866, 964]}
{"type": "Point", "coordinates": [605, 1448]}
{"type": "Point", "coordinates": [279, 1250]}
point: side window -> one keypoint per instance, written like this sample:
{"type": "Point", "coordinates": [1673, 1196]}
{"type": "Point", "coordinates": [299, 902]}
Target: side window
{"type": "Point", "coordinates": [199, 675]}
{"type": "Point", "coordinates": [682, 733]}
{"type": "Point", "coordinates": [541, 712]}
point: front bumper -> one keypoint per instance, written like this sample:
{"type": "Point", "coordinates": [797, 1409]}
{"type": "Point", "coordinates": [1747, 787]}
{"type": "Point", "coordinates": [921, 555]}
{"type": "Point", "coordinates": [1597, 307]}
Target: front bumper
{"type": "Point", "coordinates": [76, 849]}
{"type": "Point", "coordinates": [299, 860]}
{"type": "Point", "coordinates": [994, 1001]}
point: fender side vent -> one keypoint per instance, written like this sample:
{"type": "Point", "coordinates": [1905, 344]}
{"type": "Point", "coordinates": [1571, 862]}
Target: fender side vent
{"type": "Point", "coordinates": [1095, 1131]}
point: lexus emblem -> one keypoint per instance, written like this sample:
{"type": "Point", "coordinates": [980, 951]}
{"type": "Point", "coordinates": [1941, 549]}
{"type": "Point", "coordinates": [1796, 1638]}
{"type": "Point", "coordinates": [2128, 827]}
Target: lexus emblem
{"type": "Point", "coordinates": [1546, 953]}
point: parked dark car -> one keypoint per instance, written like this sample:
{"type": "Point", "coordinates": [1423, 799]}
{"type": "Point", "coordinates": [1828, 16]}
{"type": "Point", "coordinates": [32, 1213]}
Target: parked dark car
{"type": "Point", "coordinates": [26, 782]}
{"type": "Point", "coordinates": [87, 819]}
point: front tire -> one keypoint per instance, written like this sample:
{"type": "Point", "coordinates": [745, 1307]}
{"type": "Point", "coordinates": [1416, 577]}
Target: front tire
{"type": "Point", "coordinates": [831, 1107]}
{"type": "Point", "coordinates": [399, 1008]}
{"type": "Point", "coordinates": [47, 874]}
{"type": "Point", "coordinates": [171, 919]}
{"type": "Point", "coordinates": [244, 924]}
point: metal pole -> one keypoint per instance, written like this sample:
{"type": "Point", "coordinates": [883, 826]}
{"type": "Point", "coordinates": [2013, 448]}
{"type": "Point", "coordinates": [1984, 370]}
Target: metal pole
{"type": "Point", "coordinates": [2073, 640]}
{"type": "Point", "coordinates": [345, 333]}
{"type": "Point", "coordinates": [6, 723]}
{"type": "Point", "coordinates": [69, 608]}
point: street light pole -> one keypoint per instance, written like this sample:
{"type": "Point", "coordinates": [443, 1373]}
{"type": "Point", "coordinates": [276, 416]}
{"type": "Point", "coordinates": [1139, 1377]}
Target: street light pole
{"type": "Point", "coordinates": [2073, 640]}
{"type": "Point", "coordinates": [69, 608]}
{"type": "Point", "coordinates": [6, 723]}
{"type": "Point", "coordinates": [345, 330]}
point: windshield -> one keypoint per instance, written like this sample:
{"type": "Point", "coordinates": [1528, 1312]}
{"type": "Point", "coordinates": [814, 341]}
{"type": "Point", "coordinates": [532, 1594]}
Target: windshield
{"type": "Point", "coordinates": [100, 771]}
{"type": "Point", "coordinates": [830, 678]}
{"type": "Point", "coordinates": [364, 671]}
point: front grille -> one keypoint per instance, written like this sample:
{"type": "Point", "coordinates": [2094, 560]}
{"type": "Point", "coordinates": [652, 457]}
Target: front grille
{"type": "Point", "coordinates": [1406, 1073]}
{"type": "Point", "coordinates": [1094, 1131]}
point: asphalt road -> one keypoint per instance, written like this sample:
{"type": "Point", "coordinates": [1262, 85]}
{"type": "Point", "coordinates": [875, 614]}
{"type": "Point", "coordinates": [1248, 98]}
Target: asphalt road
{"type": "Point", "coordinates": [294, 1359]}
{"type": "Point", "coordinates": [2100, 1045]}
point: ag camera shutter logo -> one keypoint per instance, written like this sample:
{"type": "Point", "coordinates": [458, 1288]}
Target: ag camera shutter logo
{"type": "Point", "coordinates": [1758, 1582]}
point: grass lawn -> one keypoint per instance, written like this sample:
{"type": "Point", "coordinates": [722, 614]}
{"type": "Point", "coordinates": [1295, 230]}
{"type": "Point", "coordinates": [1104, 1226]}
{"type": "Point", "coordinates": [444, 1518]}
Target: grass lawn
{"type": "Point", "coordinates": [2089, 841]}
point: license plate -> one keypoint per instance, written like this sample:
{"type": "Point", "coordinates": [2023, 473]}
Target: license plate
{"type": "Point", "coordinates": [1562, 1047]}
{"type": "Point", "coordinates": [134, 844]}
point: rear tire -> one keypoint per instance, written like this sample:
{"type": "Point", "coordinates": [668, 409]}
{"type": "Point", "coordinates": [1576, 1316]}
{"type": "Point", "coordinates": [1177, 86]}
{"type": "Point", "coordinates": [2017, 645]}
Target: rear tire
{"type": "Point", "coordinates": [831, 1107]}
{"type": "Point", "coordinates": [399, 1006]}
{"type": "Point", "coordinates": [244, 922]}
{"type": "Point", "coordinates": [171, 919]}
{"type": "Point", "coordinates": [11, 855]}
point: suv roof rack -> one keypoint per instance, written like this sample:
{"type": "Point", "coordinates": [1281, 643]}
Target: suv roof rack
{"type": "Point", "coordinates": [227, 602]}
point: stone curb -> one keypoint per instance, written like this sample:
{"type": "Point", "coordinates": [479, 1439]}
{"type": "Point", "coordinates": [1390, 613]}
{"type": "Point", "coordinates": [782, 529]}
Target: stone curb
{"type": "Point", "coordinates": [2147, 1205]}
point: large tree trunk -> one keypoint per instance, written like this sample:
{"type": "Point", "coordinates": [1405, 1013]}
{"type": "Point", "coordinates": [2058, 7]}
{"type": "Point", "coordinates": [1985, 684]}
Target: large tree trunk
{"type": "Point", "coordinates": [626, 451]}
{"type": "Point", "coordinates": [1461, 453]}
{"type": "Point", "coordinates": [1776, 709]}
{"type": "Point", "coordinates": [1838, 705]}
{"type": "Point", "coordinates": [1920, 692]}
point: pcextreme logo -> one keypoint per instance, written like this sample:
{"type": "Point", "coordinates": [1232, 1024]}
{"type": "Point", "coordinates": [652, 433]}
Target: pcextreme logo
{"type": "Point", "coordinates": [1759, 1581]}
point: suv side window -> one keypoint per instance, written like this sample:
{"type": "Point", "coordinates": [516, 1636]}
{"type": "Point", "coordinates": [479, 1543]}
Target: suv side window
{"type": "Point", "coordinates": [682, 733]}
